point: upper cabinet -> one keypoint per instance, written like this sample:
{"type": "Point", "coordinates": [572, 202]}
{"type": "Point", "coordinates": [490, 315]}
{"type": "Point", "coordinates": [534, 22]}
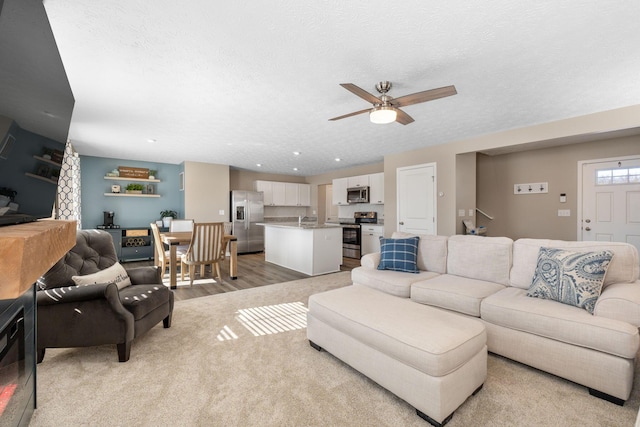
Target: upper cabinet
{"type": "Point", "coordinates": [358, 181]}
{"type": "Point", "coordinates": [376, 188]}
{"type": "Point", "coordinates": [284, 193]}
{"type": "Point", "coordinates": [339, 196]}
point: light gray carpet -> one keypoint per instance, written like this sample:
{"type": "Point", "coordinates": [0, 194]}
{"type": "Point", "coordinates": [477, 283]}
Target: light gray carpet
{"type": "Point", "coordinates": [210, 370]}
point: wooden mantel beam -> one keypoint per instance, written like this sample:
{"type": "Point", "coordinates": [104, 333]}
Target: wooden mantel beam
{"type": "Point", "coordinates": [29, 250]}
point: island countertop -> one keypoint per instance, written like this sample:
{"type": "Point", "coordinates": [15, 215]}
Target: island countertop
{"type": "Point", "coordinates": [303, 226]}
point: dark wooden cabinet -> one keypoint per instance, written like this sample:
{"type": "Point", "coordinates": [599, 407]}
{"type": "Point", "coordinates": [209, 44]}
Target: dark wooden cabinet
{"type": "Point", "coordinates": [132, 243]}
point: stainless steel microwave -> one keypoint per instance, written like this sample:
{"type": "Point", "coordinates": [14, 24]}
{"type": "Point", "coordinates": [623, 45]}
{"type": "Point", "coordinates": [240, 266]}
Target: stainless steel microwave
{"type": "Point", "coordinates": [358, 195]}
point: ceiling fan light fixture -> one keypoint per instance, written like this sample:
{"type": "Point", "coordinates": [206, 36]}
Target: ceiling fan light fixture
{"type": "Point", "coordinates": [383, 115]}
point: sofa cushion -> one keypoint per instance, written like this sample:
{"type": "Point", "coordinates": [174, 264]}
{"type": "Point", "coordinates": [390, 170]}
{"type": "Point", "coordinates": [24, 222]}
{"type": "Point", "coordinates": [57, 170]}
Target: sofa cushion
{"type": "Point", "coordinates": [512, 309]}
{"type": "Point", "coordinates": [624, 266]}
{"type": "Point", "coordinates": [387, 281]}
{"type": "Point", "coordinates": [482, 258]}
{"type": "Point", "coordinates": [455, 293]}
{"type": "Point", "coordinates": [569, 277]}
{"type": "Point", "coordinates": [430, 340]}
{"type": "Point", "coordinates": [432, 251]}
{"type": "Point", "coordinates": [399, 254]}
{"type": "Point", "coordinates": [114, 274]}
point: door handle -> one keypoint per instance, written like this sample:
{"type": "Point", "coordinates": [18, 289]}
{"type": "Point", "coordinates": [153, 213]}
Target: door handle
{"type": "Point", "coordinates": [401, 223]}
{"type": "Point", "coordinates": [587, 229]}
{"type": "Point", "coordinates": [587, 221]}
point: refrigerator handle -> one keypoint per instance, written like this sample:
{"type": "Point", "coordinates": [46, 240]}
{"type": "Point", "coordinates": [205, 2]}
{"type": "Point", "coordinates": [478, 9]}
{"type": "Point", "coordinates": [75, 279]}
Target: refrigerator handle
{"type": "Point", "coordinates": [247, 220]}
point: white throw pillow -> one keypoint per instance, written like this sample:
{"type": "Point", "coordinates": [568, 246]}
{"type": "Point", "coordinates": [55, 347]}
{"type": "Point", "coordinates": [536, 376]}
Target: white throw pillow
{"type": "Point", "coordinates": [114, 274]}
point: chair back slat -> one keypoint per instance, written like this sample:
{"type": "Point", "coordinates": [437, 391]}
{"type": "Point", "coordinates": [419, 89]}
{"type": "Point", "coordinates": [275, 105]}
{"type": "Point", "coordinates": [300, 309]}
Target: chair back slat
{"type": "Point", "coordinates": [207, 243]}
{"type": "Point", "coordinates": [181, 225]}
{"type": "Point", "coordinates": [157, 242]}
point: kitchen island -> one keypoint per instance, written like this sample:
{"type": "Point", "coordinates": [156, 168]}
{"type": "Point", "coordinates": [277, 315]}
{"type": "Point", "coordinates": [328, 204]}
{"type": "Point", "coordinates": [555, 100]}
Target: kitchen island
{"type": "Point", "coordinates": [311, 249]}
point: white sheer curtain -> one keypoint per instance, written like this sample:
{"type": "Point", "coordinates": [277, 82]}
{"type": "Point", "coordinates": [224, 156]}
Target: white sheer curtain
{"type": "Point", "coordinates": [68, 202]}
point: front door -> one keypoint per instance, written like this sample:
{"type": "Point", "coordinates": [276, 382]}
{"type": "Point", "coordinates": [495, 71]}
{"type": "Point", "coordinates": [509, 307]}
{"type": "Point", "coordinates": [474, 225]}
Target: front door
{"type": "Point", "coordinates": [416, 199]}
{"type": "Point", "coordinates": [611, 201]}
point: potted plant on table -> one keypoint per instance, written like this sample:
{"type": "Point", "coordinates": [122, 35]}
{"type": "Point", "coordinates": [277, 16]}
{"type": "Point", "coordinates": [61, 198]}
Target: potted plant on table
{"type": "Point", "coordinates": [167, 215]}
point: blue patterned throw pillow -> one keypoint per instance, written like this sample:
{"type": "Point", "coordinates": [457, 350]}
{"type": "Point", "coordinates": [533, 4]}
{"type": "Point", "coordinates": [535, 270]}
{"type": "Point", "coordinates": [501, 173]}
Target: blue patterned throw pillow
{"type": "Point", "coordinates": [399, 254]}
{"type": "Point", "coordinates": [573, 278]}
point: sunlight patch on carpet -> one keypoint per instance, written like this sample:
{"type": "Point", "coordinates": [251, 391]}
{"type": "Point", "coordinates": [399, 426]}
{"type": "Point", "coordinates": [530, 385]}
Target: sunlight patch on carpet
{"type": "Point", "coordinates": [273, 319]}
{"type": "Point", "coordinates": [226, 334]}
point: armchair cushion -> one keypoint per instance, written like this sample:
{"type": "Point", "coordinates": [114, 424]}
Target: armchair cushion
{"type": "Point", "coordinates": [116, 274]}
{"type": "Point", "coordinates": [140, 300]}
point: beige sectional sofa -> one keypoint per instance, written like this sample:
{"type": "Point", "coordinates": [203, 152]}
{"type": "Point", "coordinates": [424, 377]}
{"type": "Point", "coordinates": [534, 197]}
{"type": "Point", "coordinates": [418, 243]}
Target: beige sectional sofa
{"type": "Point", "coordinates": [486, 279]}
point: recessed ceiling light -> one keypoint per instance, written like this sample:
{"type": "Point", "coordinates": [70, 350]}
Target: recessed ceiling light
{"type": "Point", "coordinates": [295, 169]}
{"type": "Point", "coordinates": [296, 153]}
{"type": "Point", "coordinates": [338, 159]}
{"type": "Point", "coordinates": [259, 165]}
{"type": "Point", "coordinates": [151, 140]}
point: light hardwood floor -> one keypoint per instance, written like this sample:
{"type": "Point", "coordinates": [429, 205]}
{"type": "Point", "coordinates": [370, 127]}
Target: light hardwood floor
{"type": "Point", "coordinates": [253, 272]}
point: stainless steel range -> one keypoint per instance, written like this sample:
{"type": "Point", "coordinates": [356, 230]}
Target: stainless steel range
{"type": "Point", "coordinates": [351, 236]}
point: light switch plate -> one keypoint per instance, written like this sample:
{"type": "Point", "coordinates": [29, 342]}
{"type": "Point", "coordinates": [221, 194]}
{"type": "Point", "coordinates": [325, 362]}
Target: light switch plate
{"type": "Point", "coordinates": [221, 212]}
{"type": "Point", "coordinates": [460, 212]}
{"type": "Point", "coordinates": [470, 212]}
{"type": "Point", "coordinates": [564, 212]}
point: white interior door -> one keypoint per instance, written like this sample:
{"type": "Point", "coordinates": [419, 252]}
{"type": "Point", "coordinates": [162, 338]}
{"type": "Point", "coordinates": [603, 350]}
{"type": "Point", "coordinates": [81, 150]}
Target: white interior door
{"type": "Point", "coordinates": [611, 201]}
{"type": "Point", "coordinates": [416, 199]}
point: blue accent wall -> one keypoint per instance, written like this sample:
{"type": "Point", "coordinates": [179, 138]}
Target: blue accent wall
{"type": "Point", "coordinates": [128, 211]}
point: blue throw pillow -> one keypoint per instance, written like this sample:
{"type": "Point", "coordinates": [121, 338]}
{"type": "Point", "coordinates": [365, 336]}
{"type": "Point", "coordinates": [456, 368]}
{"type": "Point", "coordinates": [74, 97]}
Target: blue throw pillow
{"type": "Point", "coordinates": [399, 254]}
{"type": "Point", "coordinates": [573, 278]}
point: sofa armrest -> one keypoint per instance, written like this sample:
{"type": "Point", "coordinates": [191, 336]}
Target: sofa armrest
{"type": "Point", "coordinates": [370, 260]}
{"type": "Point", "coordinates": [68, 294]}
{"type": "Point", "coordinates": [145, 275]}
{"type": "Point", "coordinates": [620, 301]}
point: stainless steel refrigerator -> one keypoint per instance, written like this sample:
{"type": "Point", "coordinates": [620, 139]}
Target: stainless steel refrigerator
{"type": "Point", "coordinates": [247, 209]}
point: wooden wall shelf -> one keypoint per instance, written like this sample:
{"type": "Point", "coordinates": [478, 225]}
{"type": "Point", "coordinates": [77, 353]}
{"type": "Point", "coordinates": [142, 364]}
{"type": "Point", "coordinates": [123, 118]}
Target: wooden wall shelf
{"type": "Point", "coordinates": [118, 178]}
{"type": "Point", "coordinates": [130, 195]}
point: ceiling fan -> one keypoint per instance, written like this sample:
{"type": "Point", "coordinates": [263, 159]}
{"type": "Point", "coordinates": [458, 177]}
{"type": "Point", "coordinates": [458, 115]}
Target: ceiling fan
{"type": "Point", "coordinates": [387, 109]}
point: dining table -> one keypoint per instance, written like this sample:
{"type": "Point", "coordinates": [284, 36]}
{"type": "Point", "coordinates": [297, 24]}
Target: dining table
{"type": "Point", "coordinates": [179, 238]}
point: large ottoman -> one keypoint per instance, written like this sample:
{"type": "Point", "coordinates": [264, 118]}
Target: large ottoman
{"type": "Point", "coordinates": [431, 358]}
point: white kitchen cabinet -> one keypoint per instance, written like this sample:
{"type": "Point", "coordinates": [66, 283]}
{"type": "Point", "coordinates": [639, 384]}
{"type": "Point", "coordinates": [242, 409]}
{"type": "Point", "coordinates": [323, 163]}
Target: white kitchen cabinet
{"type": "Point", "coordinates": [279, 193]}
{"type": "Point", "coordinates": [304, 195]}
{"type": "Point", "coordinates": [370, 238]}
{"type": "Point", "coordinates": [358, 181]}
{"type": "Point", "coordinates": [284, 193]}
{"type": "Point", "coordinates": [340, 191]}
{"type": "Point", "coordinates": [376, 188]}
{"type": "Point", "coordinates": [290, 194]}
{"type": "Point", "coordinates": [266, 187]}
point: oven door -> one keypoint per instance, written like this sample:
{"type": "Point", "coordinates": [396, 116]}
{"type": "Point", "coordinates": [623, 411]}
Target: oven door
{"type": "Point", "coordinates": [351, 242]}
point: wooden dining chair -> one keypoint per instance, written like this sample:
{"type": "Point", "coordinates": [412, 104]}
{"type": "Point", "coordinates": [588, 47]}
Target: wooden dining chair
{"type": "Point", "coordinates": [161, 256]}
{"type": "Point", "coordinates": [207, 247]}
{"type": "Point", "coordinates": [181, 225]}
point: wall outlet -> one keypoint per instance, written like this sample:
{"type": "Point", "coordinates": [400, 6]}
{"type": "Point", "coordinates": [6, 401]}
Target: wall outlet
{"type": "Point", "coordinates": [564, 212]}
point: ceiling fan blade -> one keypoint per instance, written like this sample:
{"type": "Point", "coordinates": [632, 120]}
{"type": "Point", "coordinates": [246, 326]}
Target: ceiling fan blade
{"type": "Point", "coordinates": [351, 114]}
{"type": "Point", "coordinates": [427, 95]}
{"type": "Point", "coordinates": [402, 117]}
{"type": "Point", "coordinates": [361, 93]}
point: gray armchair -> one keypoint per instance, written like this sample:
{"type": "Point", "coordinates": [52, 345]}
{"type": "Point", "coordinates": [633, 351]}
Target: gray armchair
{"type": "Point", "coordinates": [82, 316]}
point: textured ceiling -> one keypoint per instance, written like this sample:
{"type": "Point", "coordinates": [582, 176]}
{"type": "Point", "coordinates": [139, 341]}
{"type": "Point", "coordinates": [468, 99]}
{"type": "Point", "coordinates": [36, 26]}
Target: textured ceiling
{"type": "Point", "coordinates": [248, 82]}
